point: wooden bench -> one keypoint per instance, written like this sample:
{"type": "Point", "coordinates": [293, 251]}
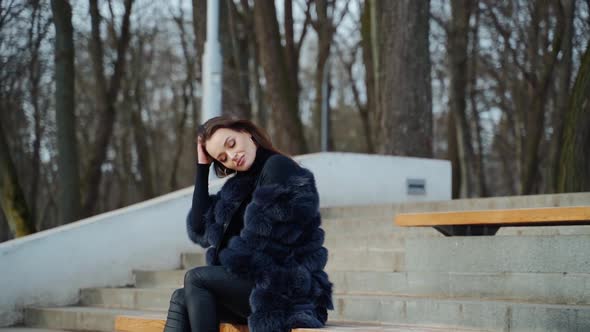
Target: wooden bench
{"type": "Point", "coordinates": [156, 323]}
{"type": "Point", "coordinates": [487, 222]}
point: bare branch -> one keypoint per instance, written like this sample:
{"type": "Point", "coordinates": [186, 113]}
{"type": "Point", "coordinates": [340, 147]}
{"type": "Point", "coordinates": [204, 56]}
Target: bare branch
{"type": "Point", "coordinates": [306, 24]}
{"type": "Point", "coordinates": [442, 23]}
{"type": "Point", "coordinates": [342, 15]}
{"type": "Point", "coordinates": [505, 33]}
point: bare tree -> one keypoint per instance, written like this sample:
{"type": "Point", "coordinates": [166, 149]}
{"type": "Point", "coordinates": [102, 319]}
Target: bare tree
{"type": "Point", "coordinates": [473, 100]}
{"type": "Point", "coordinates": [68, 161]}
{"type": "Point", "coordinates": [404, 85]}
{"type": "Point", "coordinates": [533, 53]}
{"type": "Point", "coordinates": [137, 100]}
{"type": "Point", "coordinates": [562, 91]}
{"type": "Point", "coordinates": [281, 76]}
{"type": "Point", "coordinates": [367, 114]}
{"type": "Point", "coordinates": [574, 172]}
{"type": "Point", "coordinates": [12, 198]}
{"type": "Point", "coordinates": [325, 24]}
{"type": "Point", "coordinates": [458, 39]}
{"type": "Point", "coordinates": [188, 98]}
{"type": "Point", "coordinates": [106, 95]}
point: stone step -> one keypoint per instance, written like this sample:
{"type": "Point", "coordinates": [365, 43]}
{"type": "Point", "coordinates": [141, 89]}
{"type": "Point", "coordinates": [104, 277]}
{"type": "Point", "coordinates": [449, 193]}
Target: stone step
{"type": "Point", "coordinates": [365, 226]}
{"type": "Point", "coordinates": [490, 315]}
{"type": "Point", "coordinates": [372, 211]}
{"type": "Point", "coordinates": [389, 241]}
{"type": "Point", "coordinates": [425, 310]}
{"type": "Point", "coordinates": [121, 320]}
{"type": "Point", "coordinates": [191, 259]}
{"type": "Point", "coordinates": [507, 202]}
{"type": "Point", "coordinates": [156, 324]}
{"type": "Point", "coordinates": [372, 226]}
{"type": "Point", "coordinates": [76, 318]}
{"type": "Point", "coordinates": [27, 329]}
{"type": "Point", "coordinates": [159, 279]}
{"type": "Point", "coordinates": [554, 288]}
{"type": "Point", "coordinates": [150, 299]}
{"type": "Point", "coordinates": [338, 260]}
{"type": "Point", "coordinates": [568, 254]}
{"type": "Point", "coordinates": [366, 260]}
{"type": "Point", "coordinates": [544, 230]}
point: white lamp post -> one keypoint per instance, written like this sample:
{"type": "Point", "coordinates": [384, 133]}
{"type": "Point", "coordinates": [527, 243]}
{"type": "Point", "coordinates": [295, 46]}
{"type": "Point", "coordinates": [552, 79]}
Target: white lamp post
{"type": "Point", "coordinates": [212, 65]}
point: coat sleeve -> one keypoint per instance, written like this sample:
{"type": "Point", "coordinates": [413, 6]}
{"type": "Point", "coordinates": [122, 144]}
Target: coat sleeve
{"type": "Point", "coordinates": [200, 215]}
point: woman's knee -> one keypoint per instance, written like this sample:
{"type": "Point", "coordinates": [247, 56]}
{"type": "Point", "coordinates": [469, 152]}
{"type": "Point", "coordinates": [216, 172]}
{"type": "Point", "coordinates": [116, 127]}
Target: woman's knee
{"type": "Point", "coordinates": [195, 277]}
{"type": "Point", "coordinates": [178, 296]}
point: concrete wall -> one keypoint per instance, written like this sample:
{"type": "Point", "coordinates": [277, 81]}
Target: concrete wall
{"type": "Point", "coordinates": [49, 268]}
{"type": "Point", "coordinates": [357, 179]}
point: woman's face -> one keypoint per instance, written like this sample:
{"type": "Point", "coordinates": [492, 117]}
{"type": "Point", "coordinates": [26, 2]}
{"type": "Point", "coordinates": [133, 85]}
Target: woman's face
{"type": "Point", "coordinates": [234, 149]}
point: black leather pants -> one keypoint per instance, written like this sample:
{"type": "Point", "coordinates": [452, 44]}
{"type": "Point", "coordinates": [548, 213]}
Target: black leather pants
{"type": "Point", "coordinates": [210, 295]}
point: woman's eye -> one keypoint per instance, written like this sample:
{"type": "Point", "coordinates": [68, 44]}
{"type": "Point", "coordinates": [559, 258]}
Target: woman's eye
{"type": "Point", "coordinates": [232, 143]}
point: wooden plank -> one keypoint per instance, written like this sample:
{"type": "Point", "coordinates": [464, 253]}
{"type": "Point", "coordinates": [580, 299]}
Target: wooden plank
{"type": "Point", "coordinates": [225, 327]}
{"type": "Point", "coordinates": [551, 215]}
{"type": "Point", "coordinates": [156, 324]}
{"type": "Point", "coordinates": [139, 323]}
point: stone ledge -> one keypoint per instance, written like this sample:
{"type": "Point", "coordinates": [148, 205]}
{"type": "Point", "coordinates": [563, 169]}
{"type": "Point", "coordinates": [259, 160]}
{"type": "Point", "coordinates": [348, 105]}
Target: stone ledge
{"type": "Point", "coordinates": [155, 323]}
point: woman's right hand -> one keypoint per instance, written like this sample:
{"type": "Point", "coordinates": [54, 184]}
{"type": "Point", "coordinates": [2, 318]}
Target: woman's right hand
{"type": "Point", "coordinates": [202, 156]}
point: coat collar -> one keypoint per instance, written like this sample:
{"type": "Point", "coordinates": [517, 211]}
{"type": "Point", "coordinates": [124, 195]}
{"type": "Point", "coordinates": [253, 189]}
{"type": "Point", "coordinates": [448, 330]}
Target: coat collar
{"type": "Point", "coordinates": [262, 155]}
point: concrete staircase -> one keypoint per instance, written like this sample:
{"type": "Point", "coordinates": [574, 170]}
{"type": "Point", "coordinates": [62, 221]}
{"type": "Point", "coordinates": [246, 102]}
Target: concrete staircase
{"type": "Point", "coordinates": [533, 279]}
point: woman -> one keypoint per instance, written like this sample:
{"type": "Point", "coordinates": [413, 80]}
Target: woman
{"type": "Point", "coordinates": [266, 257]}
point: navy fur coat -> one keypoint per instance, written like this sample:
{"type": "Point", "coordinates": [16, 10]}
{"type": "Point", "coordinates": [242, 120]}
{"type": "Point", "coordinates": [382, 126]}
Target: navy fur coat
{"type": "Point", "coordinates": [280, 247]}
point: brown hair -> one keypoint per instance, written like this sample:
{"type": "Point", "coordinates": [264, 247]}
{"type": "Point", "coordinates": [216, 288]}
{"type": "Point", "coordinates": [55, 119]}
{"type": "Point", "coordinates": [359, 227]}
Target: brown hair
{"type": "Point", "coordinates": [207, 129]}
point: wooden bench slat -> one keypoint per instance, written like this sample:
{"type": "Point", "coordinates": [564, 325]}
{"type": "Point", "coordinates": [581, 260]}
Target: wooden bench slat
{"type": "Point", "coordinates": [156, 323]}
{"type": "Point", "coordinates": [140, 323]}
{"type": "Point", "coordinates": [570, 214]}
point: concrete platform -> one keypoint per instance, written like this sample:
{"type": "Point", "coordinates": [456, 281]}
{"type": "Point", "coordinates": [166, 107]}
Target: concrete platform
{"type": "Point", "coordinates": [565, 254]}
{"type": "Point", "coordinates": [77, 318]}
{"type": "Point", "coordinates": [555, 288]}
{"type": "Point", "coordinates": [487, 315]}
{"type": "Point", "coordinates": [338, 260]}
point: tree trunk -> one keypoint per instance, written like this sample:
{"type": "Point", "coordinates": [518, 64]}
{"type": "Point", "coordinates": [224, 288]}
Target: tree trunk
{"type": "Point", "coordinates": [37, 33]}
{"type": "Point", "coordinates": [106, 97]}
{"type": "Point", "coordinates": [140, 136]}
{"type": "Point", "coordinates": [405, 97]}
{"type": "Point", "coordinates": [473, 96]}
{"type": "Point", "coordinates": [453, 156]}
{"type": "Point", "coordinates": [324, 29]}
{"type": "Point", "coordinates": [367, 116]}
{"type": "Point", "coordinates": [458, 39]}
{"type": "Point", "coordinates": [286, 129]}
{"type": "Point", "coordinates": [376, 73]}
{"type": "Point", "coordinates": [187, 100]}
{"type": "Point", "coordinates": [538, 86]}
{"type": "Point", "coordinates": [235, 45]}
{"type": "Point", "coordinates": [574, 172]}
{"type": "Point", "coordinates": [235, 100]}
{"type": "Point", "coordinates": [564, 76]}
{"type": "Point", "coordinates": [68, 161]}
{"type": "Point", "coordinates": [12, 197]}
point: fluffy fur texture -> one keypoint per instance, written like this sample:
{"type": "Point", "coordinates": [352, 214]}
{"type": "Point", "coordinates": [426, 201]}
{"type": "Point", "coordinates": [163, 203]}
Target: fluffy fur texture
{"type": "Point", "coordinates": [280, 248]}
